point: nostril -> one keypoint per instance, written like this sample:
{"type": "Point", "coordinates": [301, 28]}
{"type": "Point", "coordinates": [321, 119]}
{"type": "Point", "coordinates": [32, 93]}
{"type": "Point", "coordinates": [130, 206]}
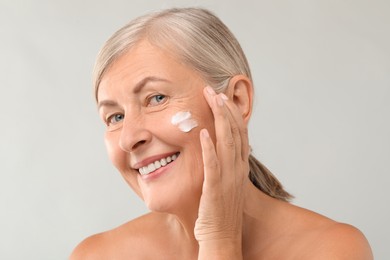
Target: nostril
{"type": "Point", "coordinates": [139, 143]}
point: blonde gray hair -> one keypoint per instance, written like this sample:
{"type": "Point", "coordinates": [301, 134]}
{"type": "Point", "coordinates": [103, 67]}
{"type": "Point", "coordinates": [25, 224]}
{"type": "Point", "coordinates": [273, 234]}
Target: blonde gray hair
{"type": "Point", "coordinates": [200, 40]}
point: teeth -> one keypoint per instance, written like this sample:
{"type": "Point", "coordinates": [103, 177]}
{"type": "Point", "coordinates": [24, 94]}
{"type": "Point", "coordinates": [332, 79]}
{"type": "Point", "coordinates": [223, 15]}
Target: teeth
{"type": "Point", "coordinates": [151, 167]}
{"type": "Point", "coordinates": [157, 164]}
{"type": "Point", "coordinates": [163, 162]}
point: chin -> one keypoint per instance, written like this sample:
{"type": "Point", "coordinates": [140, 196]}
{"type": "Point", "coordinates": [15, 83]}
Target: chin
{"type": "Point", "coordinates": [172, 202]}
{"type": "Point", "coordinates": [173, 192]}
{"type": "Point", "coordinates": [161, 207]}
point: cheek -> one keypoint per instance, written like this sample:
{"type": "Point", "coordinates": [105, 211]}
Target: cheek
{"type": "Point", "coordinates": [205, 118]}
{"type": "Point", "coordinates": [192, 118]}
{"type": "Point", "coordinates": [113, 150]}
{"type": "Point", "coordinates": [119, 159]}
{"type": "Point", "coordinates": [191, 140]}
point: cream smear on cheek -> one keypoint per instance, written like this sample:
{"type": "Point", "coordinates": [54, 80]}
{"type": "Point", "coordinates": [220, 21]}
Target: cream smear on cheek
{"type": "Point", "coordinates": [183, 120]}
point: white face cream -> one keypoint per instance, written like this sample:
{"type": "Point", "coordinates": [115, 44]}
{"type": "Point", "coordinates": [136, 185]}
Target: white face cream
{"type": "Point", "coordinates": [184, 121]}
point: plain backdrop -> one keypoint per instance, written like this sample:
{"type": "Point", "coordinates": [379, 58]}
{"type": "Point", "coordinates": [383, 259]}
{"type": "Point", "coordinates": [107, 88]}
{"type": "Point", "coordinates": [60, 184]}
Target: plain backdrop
{"type": "Point", "coordinates": [321, 121]}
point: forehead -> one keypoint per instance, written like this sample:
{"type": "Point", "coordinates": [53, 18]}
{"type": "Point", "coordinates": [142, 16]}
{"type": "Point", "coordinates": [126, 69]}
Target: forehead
{"type": "Point", "coordinates": [142, 61]}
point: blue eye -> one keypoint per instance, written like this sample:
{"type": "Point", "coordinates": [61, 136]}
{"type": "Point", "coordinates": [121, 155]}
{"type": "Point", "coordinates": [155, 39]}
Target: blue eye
{"type": "Point", "coordinates": [114, 119]}
{"type": "Point", "coordinates": [157, 99]}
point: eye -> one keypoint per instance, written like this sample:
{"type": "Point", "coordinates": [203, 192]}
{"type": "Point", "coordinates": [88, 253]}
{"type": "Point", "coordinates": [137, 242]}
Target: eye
{"type": "Point", "coordinates": [114, 119]}
{"type": "Point", "coordinates": [156, 99]}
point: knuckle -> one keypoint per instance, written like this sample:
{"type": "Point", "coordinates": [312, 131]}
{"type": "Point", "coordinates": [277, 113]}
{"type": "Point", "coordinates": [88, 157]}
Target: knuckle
{"type": "Point", "coordinates": [235, 129]}
{"type": "Point", "coordinates": [229, 143]}
{"type": "Point", "coordinates": [245, 132]}
{"type": "Point", "coordinates": [212, 164]}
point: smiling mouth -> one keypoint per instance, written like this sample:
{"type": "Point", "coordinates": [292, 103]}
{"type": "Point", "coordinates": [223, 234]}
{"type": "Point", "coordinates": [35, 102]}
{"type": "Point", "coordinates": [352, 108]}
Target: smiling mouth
{"type": "Point", "coordinates": [157, 164]}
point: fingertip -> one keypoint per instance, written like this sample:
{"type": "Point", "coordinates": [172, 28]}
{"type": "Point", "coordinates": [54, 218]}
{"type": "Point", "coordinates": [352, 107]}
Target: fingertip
{"type": "Point", "coordinates": [208, 94]}
{"type": "Point", "coordinates": [210, 90]}
{"type": "Point", "coordinates": [224, 97]}
{"type": "Point", "coordinates": [220, 101]}
{"type": "Point", "coordinates": [204, 133]}
{"type": "Point", "coordinates": [205, 140]}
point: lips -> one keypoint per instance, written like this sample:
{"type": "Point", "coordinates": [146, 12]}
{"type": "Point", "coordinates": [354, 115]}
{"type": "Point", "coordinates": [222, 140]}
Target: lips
{"type": "Point", "coordinates": [151, 167]}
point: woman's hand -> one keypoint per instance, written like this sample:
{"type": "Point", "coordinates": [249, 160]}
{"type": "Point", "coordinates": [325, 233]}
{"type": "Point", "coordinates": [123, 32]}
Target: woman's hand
{"type": "Point", "coordinates": [218, 228]}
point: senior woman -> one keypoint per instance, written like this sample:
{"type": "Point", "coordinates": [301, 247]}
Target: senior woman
{"type": "Point", "coordinates": [175, 92]}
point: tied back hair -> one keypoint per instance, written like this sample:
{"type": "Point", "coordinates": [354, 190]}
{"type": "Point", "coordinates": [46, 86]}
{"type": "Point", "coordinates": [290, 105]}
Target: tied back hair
{"type": "Point", "coordinates": [200, 40]}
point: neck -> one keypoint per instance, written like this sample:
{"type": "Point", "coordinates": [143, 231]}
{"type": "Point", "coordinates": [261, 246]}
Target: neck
{"type": "Point", "coordinates": [185, 222]}
{"type": "Point", "coordinates": [259, 213]}
{"type": "Point", "coordinates": [262, 218]}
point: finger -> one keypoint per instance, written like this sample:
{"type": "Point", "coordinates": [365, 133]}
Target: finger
{"type": "Point", "coordinates": [212, 173]}
{"type": "Point", "coordinates": [225, 144]}
{"type": "Point", "coordinates": [237, 123]}
{"type": "Point", "coordinates": [235, 129]}
{"type": "Point", "coordinates": [239, 127]}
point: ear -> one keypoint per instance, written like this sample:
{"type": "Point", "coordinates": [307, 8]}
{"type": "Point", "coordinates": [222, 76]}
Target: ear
{"type": "Point", "coordinates": [240, 90]}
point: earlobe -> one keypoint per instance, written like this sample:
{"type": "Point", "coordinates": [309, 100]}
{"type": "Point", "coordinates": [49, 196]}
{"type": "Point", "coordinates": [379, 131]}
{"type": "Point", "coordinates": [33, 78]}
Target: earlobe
{"type": "Point", "coordinates": [240, 90]}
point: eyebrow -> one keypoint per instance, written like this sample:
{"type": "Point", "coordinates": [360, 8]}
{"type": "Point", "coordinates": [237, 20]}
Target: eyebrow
{"type": "Point", "coordinates": [146, 80]}
{"type": "Point", "coordinates": [107, 103]}
{"type": "Point", "coordinates": [138, 87]}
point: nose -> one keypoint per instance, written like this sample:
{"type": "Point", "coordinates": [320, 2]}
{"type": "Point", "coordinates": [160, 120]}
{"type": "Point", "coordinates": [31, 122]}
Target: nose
{"type": "Point", "coordinates": [133, 135]}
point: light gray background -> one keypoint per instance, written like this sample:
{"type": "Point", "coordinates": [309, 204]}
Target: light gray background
{"type": "Point", "coordinates": [321, 121]}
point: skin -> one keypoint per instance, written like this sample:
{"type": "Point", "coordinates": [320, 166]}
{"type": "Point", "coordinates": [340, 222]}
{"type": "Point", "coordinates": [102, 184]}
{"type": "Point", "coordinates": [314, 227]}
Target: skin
{"type": "Point", "coordinates": [202, 205]}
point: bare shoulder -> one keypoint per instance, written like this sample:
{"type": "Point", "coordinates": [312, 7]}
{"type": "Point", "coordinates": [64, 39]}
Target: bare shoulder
{"type": "Point", "coordinates": [126, 240]}
{"type": "Point", "coordinates": [322, 238]}
{"type": "Point", "coordinates": [339, 241]}
{"type": "Point", "coordinates": [314, 236]}
{"type": "Point", "coordinates": [90, 248]}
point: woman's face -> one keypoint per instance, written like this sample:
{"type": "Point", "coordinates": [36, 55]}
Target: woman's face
{"type": "Point", "coordinates": [137, 98]}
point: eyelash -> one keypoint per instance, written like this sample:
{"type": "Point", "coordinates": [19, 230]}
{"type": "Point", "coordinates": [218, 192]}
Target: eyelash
{"type": "Point", "coordinates": [149, 100]}
{"type": "Point", "coordinates": [110, 118]}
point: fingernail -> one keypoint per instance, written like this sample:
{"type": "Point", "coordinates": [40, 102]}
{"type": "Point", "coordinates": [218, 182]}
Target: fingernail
{"type": "Point", "coordinates": [205, 133]}
{"type": "Point", "coordinates": [224, 97]}
{"type": "Point", "coordinates": [210, 90]}
{"type": "Point", "coordinates": [219, 100]}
